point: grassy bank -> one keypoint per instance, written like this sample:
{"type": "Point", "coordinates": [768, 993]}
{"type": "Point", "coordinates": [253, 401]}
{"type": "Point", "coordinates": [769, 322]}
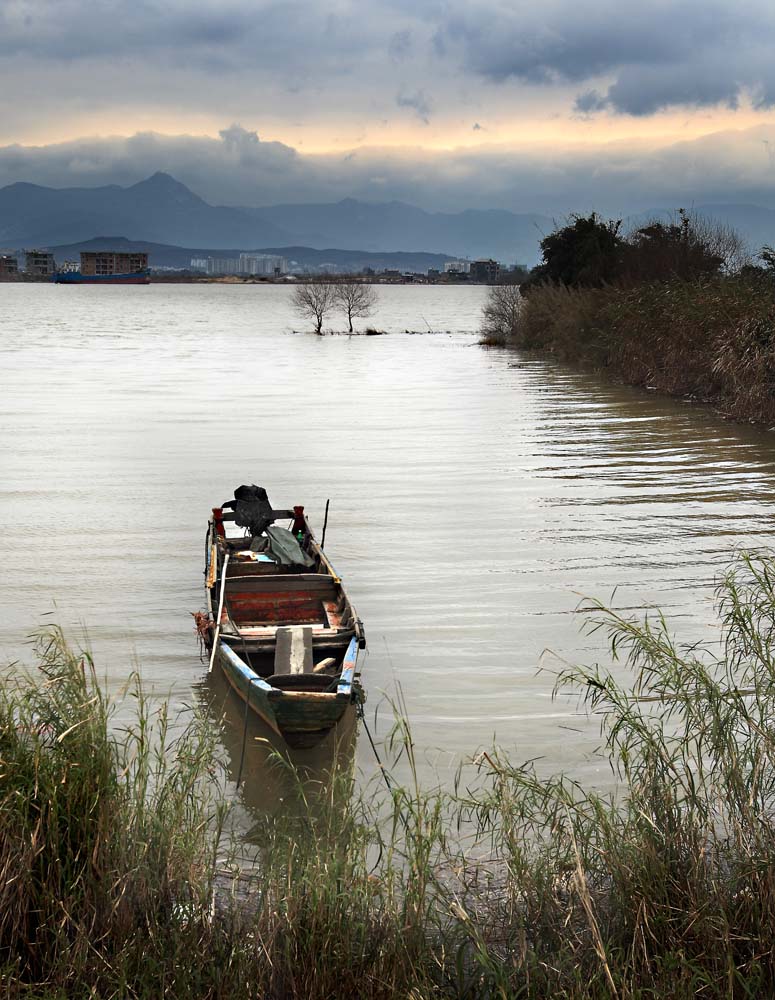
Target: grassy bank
{"type": "Point", "coordinates": [713, 340]}
{"type": "Point", "coordinates": [677, 305]}
{"type": "Point", "coordinates": [507, 885]}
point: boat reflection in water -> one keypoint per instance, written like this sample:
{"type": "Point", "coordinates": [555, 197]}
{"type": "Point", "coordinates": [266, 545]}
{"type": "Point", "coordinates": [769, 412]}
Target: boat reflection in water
{"type": "Point", "coordinates": [273, 777]}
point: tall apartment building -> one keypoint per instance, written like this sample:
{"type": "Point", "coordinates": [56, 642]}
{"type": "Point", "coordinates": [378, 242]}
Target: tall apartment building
{"type": "Point", "coordinates": [111, 262]}
{"type": "Point", "coordinates": [8, 265]}
{"type": "Point", "coordinates": [485, 270]}
{"type": "Point", "coordinates": [262, 263]}
{"type": "Point", "coordinates": [246, 263]}
{"type": "Point", "coordinates": [39, 263]}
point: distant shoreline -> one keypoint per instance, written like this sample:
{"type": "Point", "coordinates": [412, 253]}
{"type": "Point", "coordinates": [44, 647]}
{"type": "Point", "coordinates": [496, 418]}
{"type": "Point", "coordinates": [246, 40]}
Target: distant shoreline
{"type": "Point", "coordinates": [229, 279]}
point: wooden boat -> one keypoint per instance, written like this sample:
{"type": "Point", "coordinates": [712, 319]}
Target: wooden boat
{"type": "Point", "coordinates": [285, 635]}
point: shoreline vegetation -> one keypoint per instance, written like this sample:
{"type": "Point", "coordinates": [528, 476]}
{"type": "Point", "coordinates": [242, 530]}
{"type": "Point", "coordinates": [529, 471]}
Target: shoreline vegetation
{"type": "Point", "coordinates": [116, 857]}
{"type": "Point", "coordinates": [678, 307]}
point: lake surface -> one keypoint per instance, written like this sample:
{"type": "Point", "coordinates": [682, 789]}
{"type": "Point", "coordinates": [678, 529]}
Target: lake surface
{"type": "Point", "coordinates": [476, 494]}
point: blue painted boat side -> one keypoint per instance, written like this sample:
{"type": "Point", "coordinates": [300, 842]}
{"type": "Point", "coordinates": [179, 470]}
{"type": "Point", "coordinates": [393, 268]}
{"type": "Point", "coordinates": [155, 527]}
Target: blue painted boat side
{"type": "Point", "coordinates": [249, 685]}
{"type": "Point", "coordinates": [348, 669]}
{"type": "Point", "coordinates": [289, 712]}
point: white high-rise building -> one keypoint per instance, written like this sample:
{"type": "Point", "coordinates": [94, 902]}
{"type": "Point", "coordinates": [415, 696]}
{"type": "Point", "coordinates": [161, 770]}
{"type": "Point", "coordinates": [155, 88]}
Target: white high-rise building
{"type": "Point", "coordinates": [262, 263]}
{"type": "Point", "coordinates": [457, 266]}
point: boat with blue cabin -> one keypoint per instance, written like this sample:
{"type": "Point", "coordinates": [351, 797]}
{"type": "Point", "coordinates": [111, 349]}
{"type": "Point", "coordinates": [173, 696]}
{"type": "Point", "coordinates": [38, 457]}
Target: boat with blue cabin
{"type": "Point", "coordinates": [278, 621]}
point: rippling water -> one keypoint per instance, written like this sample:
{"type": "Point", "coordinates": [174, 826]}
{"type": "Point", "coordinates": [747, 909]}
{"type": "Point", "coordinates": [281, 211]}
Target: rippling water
{"type": "Point", "coordinates": [475, 494]}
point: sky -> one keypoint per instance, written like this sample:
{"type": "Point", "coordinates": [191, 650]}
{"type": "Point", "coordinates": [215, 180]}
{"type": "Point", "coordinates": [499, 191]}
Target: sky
{"type": "Point", "coordinates": [550, 107]}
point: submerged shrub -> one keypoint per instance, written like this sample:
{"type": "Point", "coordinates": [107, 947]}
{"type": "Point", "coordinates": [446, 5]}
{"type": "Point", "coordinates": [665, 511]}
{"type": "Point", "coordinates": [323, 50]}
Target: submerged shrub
{"type": "Point", "coordinates": [501, 313]}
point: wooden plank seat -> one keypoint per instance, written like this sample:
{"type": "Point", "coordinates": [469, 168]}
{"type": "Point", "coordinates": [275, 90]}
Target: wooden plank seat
{"type": "Point", "coordinates": [293, 652]}
{"type": "Point", "coordinates": [280, 600]}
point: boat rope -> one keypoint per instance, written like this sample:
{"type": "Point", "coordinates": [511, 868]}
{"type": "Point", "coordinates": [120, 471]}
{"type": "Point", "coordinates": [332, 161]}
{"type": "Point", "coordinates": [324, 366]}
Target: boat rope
{"type": "Point", "coordinates": [362, 716]}
{"type": "Point", "coordinates": [244, 731]}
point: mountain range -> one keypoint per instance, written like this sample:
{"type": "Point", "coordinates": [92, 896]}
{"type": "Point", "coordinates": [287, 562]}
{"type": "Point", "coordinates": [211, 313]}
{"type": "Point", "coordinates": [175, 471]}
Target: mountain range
{"type": "Point", "coordinates": [161, 210]}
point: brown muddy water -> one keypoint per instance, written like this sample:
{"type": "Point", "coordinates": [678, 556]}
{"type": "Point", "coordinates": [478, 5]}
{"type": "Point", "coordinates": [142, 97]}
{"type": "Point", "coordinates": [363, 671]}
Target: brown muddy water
{"type": "Point", "coordinates": [476, 495]}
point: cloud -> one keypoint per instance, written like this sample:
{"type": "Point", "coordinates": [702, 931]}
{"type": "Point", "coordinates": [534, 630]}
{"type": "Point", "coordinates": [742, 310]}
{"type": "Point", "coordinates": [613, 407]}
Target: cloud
{"type": "Point", "coordinates": [400, 46]}
{"type": "Point", "coordinates": [589, 101]}
{"type": "Point", "coordinates": [240, 168]}
{"type": "Point", "coordinates": [417, 102]}
{"type": "Point", "coordinates": [304, 62]}
{"type": "Point", "coordinates": [654, 55]}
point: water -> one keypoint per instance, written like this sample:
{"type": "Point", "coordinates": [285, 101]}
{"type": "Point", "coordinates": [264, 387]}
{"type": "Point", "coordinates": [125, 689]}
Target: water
{"type": "Point", "coordinates": [475, 495]}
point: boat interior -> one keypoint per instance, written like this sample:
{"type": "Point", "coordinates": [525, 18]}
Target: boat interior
{"type": "Point", "coordinates": [275, 598]}
{"type": "Point", "coordinates": [263, 601]}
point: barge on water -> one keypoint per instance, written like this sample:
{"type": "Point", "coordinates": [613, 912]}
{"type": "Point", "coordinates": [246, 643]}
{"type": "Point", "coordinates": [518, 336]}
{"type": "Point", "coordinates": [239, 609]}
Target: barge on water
{"type": "Point", "coordinates": [279, 623]}
{"type": "Point", "coordinates": [107, 267]}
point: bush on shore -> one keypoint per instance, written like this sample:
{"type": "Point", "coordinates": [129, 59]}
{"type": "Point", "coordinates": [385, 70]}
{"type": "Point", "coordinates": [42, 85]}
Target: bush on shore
{"type": "Point", "coordinates": [508, 885]}
{"type": "Point", "coordinates": [711, 340]}
{"type": "Point", "coordinates": [676, 307]}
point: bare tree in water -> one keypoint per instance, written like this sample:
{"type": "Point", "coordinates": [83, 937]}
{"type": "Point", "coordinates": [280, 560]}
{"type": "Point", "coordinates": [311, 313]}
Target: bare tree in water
{"type": "Point", "coordinates": [313, 300]}
{"type": "Point", "coordinates": [356, 299]}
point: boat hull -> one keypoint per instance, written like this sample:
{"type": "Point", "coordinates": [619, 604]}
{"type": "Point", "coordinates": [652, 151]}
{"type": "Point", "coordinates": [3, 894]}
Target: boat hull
{"type": "Point", "coordinates": [302, 686]}
{"type": "Point", "coordinates": [76, 278]}
{"type": "Point", "coordinates": [302, 718]}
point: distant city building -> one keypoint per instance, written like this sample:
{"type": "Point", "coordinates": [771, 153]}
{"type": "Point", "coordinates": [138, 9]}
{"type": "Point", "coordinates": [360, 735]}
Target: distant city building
{"type": "Point", "coordinates": [485, 270]}
{"type": "Point", "coordinates": [112, 262]}
{"type": "Point", "coordinates": [262, 263]}
{"type": "Point", "coordinates": [222, 265]}
{"type": "Point", "coordinates": [250, 264]}
{"type": "Point", "coordinates": [8, 265]}
{"type": "Point", "coordinates": [433, 273]}
{"type": "Point", "coordinates": [457, 266]}
{"type": "Point", "coordinates": [39, 263]}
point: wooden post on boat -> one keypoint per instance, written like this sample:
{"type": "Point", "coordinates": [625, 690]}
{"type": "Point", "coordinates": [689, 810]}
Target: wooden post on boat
{"type": "Point", "coordinates": [325, 525]}
{"type": "Point", "coordinates": [217, 635]}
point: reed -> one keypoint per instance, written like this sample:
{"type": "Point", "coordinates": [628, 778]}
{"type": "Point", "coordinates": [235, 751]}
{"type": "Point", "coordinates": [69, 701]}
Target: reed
{"type": "Point", "coordinates": [506, 884]}
{"type": "Point", "coordinates": [711, 340]}
{"type": "Point", "coordinates": [106, 837]}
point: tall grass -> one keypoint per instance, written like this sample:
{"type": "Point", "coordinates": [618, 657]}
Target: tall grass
{"type": "Point", "coordinates": [507, 884]}
{"type": "Point", "coordinates": [104, 837]}
{"type": "Point", "coordinates": [711, 339]}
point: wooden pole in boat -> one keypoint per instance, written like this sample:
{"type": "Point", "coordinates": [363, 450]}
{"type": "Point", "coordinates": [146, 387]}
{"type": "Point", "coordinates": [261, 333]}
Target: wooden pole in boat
{"type": "Point", "coordinates": [325, 525]}
{"type": "Point", "coordinates": [217, 635]}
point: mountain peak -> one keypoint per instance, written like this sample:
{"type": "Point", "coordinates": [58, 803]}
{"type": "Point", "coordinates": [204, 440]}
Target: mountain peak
{"type": "Point", "coordinates": [161, 179]}
{"type": "Point", "coordinates": [166, 185]}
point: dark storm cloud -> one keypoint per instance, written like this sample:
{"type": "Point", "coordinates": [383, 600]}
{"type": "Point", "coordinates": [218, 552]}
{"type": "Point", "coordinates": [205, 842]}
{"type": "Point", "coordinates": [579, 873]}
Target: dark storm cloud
{"type": "Point", "coordinates": [204, 34]}
{"type": "Point", "coordinates": [638, 58]}
{"type": "Point", "coordinates": [655, 54]}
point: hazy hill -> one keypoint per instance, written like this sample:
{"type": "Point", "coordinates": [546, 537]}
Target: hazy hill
{"type": "Point", "coordinates": [396, 225]}
{"type": "Point", "coordinates": [159, 209]}
{"type": "Point", "coordinates": [164, 255]}
{"type": "Point", "coordinates": [162, 210]}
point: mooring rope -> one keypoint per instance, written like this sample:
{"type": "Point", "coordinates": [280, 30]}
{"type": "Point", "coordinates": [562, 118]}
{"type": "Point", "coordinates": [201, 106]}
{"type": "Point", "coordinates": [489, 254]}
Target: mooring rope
{"type": "Point", "coordinates": [362, 716]}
